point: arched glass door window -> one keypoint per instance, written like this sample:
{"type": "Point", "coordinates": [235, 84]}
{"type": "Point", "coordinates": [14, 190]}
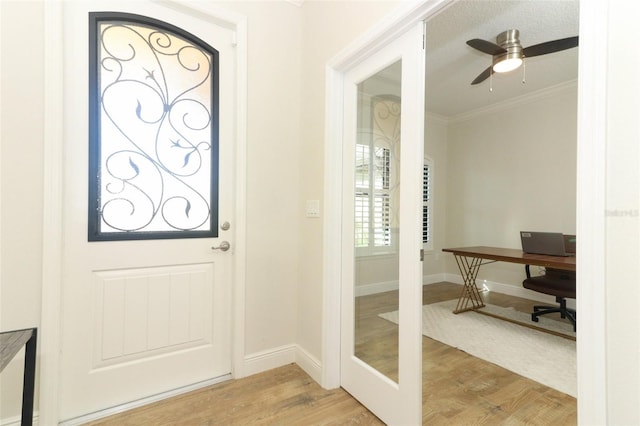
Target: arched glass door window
{"type": "Point", "coordinates": [153, 130]}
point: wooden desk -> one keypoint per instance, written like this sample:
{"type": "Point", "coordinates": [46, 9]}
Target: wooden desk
{"type": "Point", "coordinates": [10, 344]}
{"type": "Point", "coordinates": [470, 259]}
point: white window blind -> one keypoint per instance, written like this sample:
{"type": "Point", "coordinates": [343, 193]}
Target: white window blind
{"type": "Point", "coordinates": [372, 199]}
{"type": "Point", "coordinates": [427, 237]}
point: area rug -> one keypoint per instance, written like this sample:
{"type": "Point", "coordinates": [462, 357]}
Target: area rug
{"type": "Point", "coordinates": [539, 356]}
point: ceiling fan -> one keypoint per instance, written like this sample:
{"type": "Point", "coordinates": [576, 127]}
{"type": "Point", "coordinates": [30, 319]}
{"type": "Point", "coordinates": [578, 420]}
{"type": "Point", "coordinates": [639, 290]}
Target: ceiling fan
{"type": "Point", "coordinates": [508, 54]}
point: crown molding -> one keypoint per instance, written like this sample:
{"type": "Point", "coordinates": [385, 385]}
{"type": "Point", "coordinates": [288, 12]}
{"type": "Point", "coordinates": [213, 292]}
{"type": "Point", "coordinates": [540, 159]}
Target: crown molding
{"type": "Point", "coordinates": [519, 100]}
{"type": "Point", "coordinates": [439, 118]}
{"type": "Point", "coordinates": [510, 103]}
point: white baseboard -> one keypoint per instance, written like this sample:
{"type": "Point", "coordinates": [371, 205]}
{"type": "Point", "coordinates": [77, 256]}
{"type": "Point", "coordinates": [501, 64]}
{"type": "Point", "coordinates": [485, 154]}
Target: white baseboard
{"type": "Point", "coordinates": [512, 290]}
{"type": "Point", "coordinates": [381, 287]}
{"type": "Point", "coordinates": [16, 421]}
{"type": "Point", "coordinates": [283, 355]}
{"type": "Point", "coordinates": [309, 364]}
{"type": "Point", "coordinates": [434, 278]}
{"type": "Point", "coordinates": [484, 285]}
{"type": "Point", "coordinates": [453, 278]}
{"type": "Point", "coordinates": [269, 359]}
{"type": "Point", "coordinates": [508, 289]}
{"type": "Point", "coordinates": [375, 288]}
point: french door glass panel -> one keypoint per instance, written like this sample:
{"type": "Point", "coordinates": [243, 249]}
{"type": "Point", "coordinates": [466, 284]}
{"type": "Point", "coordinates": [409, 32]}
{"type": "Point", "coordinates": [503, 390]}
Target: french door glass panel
{"type": "Point", "coordinates": [376, 220]}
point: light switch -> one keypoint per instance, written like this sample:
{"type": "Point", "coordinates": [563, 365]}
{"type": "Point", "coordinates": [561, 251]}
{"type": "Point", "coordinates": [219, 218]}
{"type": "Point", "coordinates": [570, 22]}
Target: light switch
{"type": "Point", "coordinates": [313, 208]}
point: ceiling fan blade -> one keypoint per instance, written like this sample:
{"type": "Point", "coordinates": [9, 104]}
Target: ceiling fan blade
{"type": "Point", "coordinates": [550, 47]}
{"type": "Point", "coordinates": [483, 76]}
{"type": "Point", "coordinates": [486, 46]}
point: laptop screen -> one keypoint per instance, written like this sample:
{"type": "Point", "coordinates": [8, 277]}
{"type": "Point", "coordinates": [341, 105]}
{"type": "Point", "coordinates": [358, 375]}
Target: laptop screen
{"type": "Point", "coordinates": [549, 243]}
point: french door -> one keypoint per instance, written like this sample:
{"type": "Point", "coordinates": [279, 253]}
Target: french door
{"type": "Point", "coordinates": [143, 317]}
{"type": "Point", "coordinates": [383, 143]}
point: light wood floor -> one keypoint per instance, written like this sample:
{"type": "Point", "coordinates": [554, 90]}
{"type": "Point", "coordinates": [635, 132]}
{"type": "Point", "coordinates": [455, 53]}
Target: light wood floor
{"type": "Point", "coordinates": [458, 389]}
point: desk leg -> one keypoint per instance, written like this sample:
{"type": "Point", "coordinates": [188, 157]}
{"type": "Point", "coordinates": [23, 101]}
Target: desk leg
{"type": "Point", "coordinates": [28, 386]}
{"type": "Point", "coordinates": [470, 297]}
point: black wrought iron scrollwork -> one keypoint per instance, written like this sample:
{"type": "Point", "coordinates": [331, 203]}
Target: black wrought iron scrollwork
{"type": "Point", "coordinates": [156, 118]}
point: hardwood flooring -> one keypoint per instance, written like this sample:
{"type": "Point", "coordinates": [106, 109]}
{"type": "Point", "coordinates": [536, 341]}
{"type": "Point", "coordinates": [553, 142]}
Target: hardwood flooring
{"type": "Point", "coordinates": [458, 389]}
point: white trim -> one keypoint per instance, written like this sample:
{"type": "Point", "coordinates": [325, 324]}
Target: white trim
{"type": "Point", "coordinates": [49, 333]}
{"type": "Point", "coordinates": [504, 105]}
{"type": "Point", "coordinates": [519, 291]}
{"type": "Point", "coordinates": [240, 270]}
{"type": "Point", "coordinates": [269, 359]}
{"type": "Point", "coordinates": [17, 420]}
{"type": "Point", "coordinates": [332, 263]}
{"type": "Point", "coordinates": [484, 285]}
{"type": "Point", "coordinates": [283, 355]}
{"type": "Point", "coordinates": [432, 116]}
{"type": "Point", "coordinates": [509, 290]}
{"type": "Point", "coordinates": [375, 288]}
{"type": "Point", "coordinates": [513, 102]}
{"type": "Point", "coordinates": [310, 364]}
{"type": "Point", "coordinates": [591, 203]}
{"type": "Point", "coordinates": [53, 191]}
{"type": "Point", "coordinates": [433, 278]}
{"type": "Point", "coordinates": [400, 20]}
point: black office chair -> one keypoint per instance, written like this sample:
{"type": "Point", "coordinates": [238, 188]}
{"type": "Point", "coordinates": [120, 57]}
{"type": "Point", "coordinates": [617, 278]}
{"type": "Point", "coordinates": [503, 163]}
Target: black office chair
{"type": "Point", "coordinates": [558, 283]}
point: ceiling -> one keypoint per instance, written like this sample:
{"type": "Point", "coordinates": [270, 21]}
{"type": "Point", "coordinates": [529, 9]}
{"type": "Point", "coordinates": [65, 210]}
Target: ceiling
{"type": "Point", "coordinates": [452, 64]}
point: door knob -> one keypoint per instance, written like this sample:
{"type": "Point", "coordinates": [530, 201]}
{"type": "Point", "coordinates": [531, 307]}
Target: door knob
{"type": "Point", "coordinates": [224, 246]}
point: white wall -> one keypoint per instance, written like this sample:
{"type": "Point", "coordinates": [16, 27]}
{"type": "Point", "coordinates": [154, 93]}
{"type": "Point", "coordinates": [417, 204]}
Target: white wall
{"type": "Point", "coordinates": [328, 27]}
{"type": "Point", "coordinates": [21, 145]}
{"type": "Point", "coordinates": [273, 183]}
{"type": "Point", "coordinates": [622, 232]}
{"type": "Point", "coordinates": [511, 169]}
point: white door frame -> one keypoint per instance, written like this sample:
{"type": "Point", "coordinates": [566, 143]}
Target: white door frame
{"type": "Point", "coordinates": [50, 324]}
{"type": "Point", "coordinates": [592, 403]}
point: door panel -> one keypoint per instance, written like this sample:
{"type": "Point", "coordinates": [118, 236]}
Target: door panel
{"type": "Point", "coordinates": [146, 312]}
{"type": "Point", "coordinates": [382, 159]}
{"type": "Point", "coordinates": [139, 317]}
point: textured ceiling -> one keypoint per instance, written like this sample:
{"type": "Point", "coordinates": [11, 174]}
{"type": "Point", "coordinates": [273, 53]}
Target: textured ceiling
{"type": "Point", "coordinates": [452, 65]}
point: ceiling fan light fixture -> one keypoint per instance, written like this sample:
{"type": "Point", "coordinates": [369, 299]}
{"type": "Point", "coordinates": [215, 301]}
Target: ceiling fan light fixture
{"type": "Point", "coordinates": [506, 63]}
{"type": "Point", "coordinates": [508, 54]}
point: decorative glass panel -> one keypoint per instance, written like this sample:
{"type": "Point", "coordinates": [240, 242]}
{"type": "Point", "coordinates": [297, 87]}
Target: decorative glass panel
{"type": "Point", "coordinates": [153, 131]}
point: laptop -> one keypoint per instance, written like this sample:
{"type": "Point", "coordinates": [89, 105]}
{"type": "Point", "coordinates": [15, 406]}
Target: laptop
{"type": "Point", "coordinates": [549, 243]}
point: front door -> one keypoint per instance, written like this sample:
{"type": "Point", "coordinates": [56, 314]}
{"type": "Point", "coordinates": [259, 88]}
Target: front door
{"type": "Point", "coordinates": [143, 316]}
